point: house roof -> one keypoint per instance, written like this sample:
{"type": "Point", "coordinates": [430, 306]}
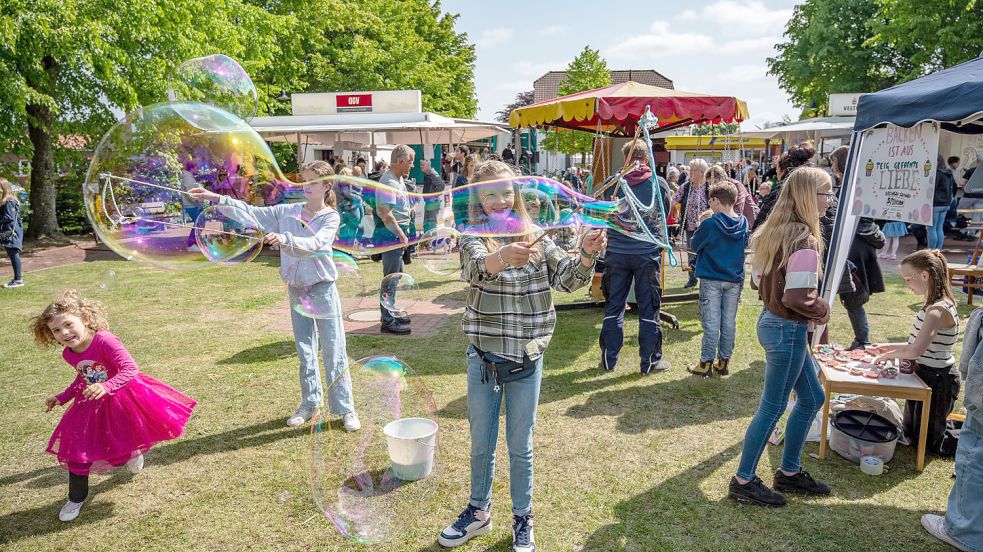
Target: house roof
{"type": "Point", "coordinates": [547, 86]}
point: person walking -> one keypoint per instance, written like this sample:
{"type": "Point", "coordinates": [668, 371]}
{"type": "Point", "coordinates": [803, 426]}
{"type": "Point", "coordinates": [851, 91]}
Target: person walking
{"type": "Point", "coordinates": [11, 230]}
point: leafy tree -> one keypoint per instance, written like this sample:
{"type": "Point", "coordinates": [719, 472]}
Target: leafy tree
{"type": "Point", "coordinates": [708, 129]}
{"type": "Point", "coordinates": [937, 33]}
{"type": "Point", "coordinates": [828, 49]}
{"type": "Point", "coordinates": [65, 65]}
{"type": "Point", "coordinates": [522, 99]}
{"type": "Point", "coordinates": [587, 71]}
{"type": "Point", "coordinates": [379, 45]}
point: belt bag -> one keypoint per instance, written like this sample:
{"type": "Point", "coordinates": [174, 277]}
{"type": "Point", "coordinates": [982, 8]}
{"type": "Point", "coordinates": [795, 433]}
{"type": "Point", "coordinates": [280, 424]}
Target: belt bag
{"type": "Point", "coordinates": [505, 371]}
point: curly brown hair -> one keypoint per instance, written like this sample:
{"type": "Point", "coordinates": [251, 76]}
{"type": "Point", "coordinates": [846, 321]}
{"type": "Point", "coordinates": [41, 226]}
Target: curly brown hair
{"type": "Point", "coordinates": [92, 314]}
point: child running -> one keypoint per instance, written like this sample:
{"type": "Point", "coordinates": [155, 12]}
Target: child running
{"type": "Point", "coordinates": [305, 232]}
{"type": "Point", "coordinates": [934, 333]}
{"type": "Point", "coordinates": [509, 320]}
{"type": "Point", "coordinates": [117, 413]}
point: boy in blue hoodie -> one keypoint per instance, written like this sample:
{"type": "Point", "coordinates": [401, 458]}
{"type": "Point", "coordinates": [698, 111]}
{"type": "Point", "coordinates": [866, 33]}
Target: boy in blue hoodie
{"type": "Point", "coordinates": [719, 243]}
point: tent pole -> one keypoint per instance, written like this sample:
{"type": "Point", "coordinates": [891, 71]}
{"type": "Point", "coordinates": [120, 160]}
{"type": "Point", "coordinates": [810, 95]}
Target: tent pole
{"type": "Point", "coordinates": [844, 227]}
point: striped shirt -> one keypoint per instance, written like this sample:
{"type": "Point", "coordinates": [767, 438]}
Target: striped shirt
{"type": "Point", "coordinates": [792, 291]}
{"type": "Point", "coordinates": [511, 313]}
{"type": "Point", "coordinates": [939, 352]}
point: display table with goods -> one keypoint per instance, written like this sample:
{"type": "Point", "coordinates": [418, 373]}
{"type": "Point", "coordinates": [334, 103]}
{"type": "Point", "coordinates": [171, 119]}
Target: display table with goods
{"type": "Point", "coordinates": [843, 371]}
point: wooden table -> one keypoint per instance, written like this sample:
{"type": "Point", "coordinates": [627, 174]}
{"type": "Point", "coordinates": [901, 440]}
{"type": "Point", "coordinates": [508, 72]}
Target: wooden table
{"type": "Point", "coordinates": [906, 386]}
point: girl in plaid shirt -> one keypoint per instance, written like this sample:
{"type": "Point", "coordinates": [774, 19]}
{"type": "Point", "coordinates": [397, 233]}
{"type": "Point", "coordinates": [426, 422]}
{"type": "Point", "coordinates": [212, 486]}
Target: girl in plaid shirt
{"type": "Point", "coordinates": [509, 319]}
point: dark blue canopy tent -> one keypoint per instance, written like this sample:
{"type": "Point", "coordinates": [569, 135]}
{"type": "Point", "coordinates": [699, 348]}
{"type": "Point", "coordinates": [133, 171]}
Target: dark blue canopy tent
{"type": "Point", "coordinates": [952, 97]}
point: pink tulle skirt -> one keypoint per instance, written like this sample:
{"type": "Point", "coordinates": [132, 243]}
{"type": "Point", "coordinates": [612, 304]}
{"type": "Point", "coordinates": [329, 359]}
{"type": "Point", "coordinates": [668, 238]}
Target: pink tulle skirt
{"type": "Point", "coordinates": [95, 436]}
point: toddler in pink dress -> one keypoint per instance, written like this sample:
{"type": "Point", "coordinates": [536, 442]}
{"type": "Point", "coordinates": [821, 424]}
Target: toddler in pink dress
{"type": "Point", "coordinates": [117, 413]}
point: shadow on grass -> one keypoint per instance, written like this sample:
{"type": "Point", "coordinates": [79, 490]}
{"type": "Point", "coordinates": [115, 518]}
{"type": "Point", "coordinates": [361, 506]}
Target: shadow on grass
{"type": "Point", "coordinates": [180, 450]}
{"type": "Point", "coordinates": [279, 350]}
{"type": "Point", "coordinates": [43, 520]}
{"type": "Point", "coordinates": [694, 400]}
{"type": "Point", "coordinates": [678, 514]}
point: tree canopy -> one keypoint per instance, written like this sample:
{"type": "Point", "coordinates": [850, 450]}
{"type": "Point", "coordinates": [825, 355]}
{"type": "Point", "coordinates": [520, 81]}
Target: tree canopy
{"type": "Point", "coordinates": [522, 99]}
{"type": "Point", "coordinates": [67, 67]}
{"type": "Point", "coordinates": [836, 46]}
{"type": "Point", "coordinates": [587, 71]}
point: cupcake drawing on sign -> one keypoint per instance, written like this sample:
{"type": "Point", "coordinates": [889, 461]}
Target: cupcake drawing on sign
{"type": "Point", "coordinates": [928, 167]}
{"type": "Point", "coordinates": [869, 166]}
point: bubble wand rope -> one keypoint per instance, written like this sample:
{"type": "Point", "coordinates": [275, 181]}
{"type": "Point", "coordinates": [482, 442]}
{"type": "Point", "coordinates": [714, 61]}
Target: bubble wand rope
{"type": "Point", "coordinates": [643, 124]}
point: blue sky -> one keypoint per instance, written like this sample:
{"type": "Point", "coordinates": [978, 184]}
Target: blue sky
{"type": "Point", "coordinates": [714, 47]}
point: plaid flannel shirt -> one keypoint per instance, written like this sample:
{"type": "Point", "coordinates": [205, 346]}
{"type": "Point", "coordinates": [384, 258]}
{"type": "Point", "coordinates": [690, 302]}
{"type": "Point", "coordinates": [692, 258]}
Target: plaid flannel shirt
{"type": "Point", "coordinates": [511, 313]}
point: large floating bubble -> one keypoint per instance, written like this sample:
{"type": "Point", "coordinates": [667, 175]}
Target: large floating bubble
{"type": "Point", "coordinates": [319, 301]}
{"type": "Point", "coordinates": [438, 251]}
{"type": "Point", "coordinates": [135, 190]}
{"type": "Point", "coordinates": [227, 234]}
{"type": "Point", "coordinates": [217, 80]}
{"type": "Point", "coordinates": [398, 293]}
{"type": "Point", "coordinates": [373, 488]}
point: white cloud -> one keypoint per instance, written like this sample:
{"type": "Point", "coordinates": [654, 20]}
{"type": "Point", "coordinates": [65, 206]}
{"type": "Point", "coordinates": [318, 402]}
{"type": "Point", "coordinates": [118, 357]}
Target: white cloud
{"type": "Point", "coordinates": [554, 30]}
{"type": "Point", "coordinates": [687, 15]}
{"type": "Point", "coordinates": [744, 18]}
{"type": "Point", "coordinates": [764, 45]}
{"type": "Point", "coordinates": [660, 41]}
{"type": "Point", "coordinates": [493, 37]}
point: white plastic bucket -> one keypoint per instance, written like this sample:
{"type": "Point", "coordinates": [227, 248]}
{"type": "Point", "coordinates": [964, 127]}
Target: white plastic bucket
{"type": "Point", "coordinates": [411, 443]}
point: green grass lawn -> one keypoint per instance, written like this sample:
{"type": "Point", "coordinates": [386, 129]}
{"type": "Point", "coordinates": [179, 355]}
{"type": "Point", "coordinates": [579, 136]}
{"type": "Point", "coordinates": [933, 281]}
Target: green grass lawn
{"type": "Point", "coordinates": [623, 462]}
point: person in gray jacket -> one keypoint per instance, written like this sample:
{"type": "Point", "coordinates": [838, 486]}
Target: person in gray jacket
{"type": "Point", "coordinates": [962, 525]}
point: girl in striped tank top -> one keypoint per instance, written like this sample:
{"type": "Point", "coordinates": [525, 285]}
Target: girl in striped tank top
{"type": "Point", "coordinates": [929, 346]}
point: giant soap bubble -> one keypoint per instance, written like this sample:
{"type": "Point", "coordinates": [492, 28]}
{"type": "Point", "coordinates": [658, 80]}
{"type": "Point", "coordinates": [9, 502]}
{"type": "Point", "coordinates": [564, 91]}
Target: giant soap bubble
{"type": "Point", "coordinates": [374, 483]}
{"type": "Point", "coordinates": [137, 201]}
{"type": "Point", "coordinates": [135, 190]}
{"type": "Point", "coordinates": [217, 80]}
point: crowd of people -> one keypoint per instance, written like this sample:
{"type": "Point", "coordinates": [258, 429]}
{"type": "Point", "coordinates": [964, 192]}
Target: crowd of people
{"type": "Point", "coordinates": [785, 217]}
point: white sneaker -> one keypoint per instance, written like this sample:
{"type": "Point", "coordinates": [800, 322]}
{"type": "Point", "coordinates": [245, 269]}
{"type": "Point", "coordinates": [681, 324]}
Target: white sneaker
{"type": "Point", "coordinates": [135, 465]}
{"type": "Point", "coordinates": [301, 416]}
{"type": "Point", "coordinates": [69, 511]}
{"type": "Point", "coordinates": [351, 422]}
{"type": "Point", "coordinates": [936, 526]}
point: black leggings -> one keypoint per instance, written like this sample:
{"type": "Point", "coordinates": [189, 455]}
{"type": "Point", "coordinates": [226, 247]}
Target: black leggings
{"type": "Point", "coordinates": [78, 487]}
{"type": "Point", "coordinates": [14, 255]}
{"type": "Point", "coordinates": [945, 388]}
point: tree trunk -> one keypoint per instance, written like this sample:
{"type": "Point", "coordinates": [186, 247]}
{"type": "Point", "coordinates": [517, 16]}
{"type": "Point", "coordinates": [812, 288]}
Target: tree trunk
{"type": "Point", "coordinates": [44, 220]}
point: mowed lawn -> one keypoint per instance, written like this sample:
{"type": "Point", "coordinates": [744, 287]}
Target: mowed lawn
{"type": "Point", "coordinates": [623, 461]}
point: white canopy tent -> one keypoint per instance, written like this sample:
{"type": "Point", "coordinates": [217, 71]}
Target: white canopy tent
{"type": "Point", "coordinates": [375, 129]}
{"type": "Point", "coordinates": [807, 129]}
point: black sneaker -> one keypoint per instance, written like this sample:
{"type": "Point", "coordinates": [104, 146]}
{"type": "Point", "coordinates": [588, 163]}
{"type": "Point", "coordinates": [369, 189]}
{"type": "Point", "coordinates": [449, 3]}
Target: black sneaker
{"type": "Point", "coordinates": [376, 257]}
{"type": "Point", "coordinates": [704, 369]}
{"type": "Point", "coordinates": [472, 522]}
{"type": "Point", "coordinates": [14, 284]}
{"type": "Point", "coordinates": [522, 537]}
{"type": "Point", "coordinates": [396, 329]}
{"type": "Point", "coordinates": [755, 492]}
{"type": "Point", "coordinates": [801, 482]}
{"type": "Point", "coordinates": [403, 320]}
{"type": "Point", "coordinates": [690, 284]}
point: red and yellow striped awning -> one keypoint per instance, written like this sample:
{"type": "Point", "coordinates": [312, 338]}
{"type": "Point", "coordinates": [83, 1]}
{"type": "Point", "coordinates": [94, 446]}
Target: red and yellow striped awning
{"type": "Point", "coordinates": [618, 107]}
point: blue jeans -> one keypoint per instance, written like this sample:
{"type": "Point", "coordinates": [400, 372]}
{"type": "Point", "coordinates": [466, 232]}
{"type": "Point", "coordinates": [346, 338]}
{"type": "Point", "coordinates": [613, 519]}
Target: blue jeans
{"type": "Point", "coordinates": [964, 517]}
{"type": "Point", "coordinates": [788, 367]}
{"type": "Point", "coordinates": [484, 407]}
{"type": "Point", "coordinates": [718, 315]}
{"type": "Point", "coordinates": [936, 234]}
{"type": "Point", "coordinates": [331, 332]}
{"type": "Point", "coordinates": [620, 269]}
